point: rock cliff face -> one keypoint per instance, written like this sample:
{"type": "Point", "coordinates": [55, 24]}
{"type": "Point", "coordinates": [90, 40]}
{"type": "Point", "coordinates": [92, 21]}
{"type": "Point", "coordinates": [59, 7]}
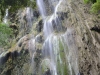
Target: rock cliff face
{"type": "Point", "coordinates": [87, 35]}
{"type": "Point", "coordinates": [74, 15]}
{"type": "Point", "coordinates": [86, 26]}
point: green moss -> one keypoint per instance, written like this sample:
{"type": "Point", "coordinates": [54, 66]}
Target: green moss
{"type": "Point", "coordinates": [61, 62]}
{"type": "Point", "coordinates": [45, 65]}
{"type": "Point", "coordinates": [62, 68]}
{"type": "Point", "coordinates": [61, 47]}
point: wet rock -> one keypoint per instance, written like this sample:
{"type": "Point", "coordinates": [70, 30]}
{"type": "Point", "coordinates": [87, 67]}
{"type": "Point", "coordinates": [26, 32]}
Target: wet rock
{"type": "Point", "coordinates": [96, 29]}
{"type": "Point", "coordinates": [36, 13]}
{"type": "Point", "coordinates": [62, 15]}
{"type": "Point", "coordinates": [12, 62]}
{"type": "Point", "coordinates": [39, 26]}
{"type": "Point", "coordinates": [47, 72]}
{"type": "Point", "coordinates": [49, 7]}
{"type": "Point", "coordinates": [14, 26]}
{"type": "Point", "coordinates": [4, 57]}
{"type": "Point", "coordinates": [80, 74]}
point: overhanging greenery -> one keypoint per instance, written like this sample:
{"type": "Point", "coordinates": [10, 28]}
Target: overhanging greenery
{"type": "Point", "coordinates": [15, 4]}
{"type": "Point", "coordinates": [95, 8]}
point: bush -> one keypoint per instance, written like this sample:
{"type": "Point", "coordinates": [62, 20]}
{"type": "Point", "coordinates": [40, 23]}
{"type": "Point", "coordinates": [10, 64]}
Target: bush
{"type": "Point", "coordinates": [5, 34]}
{"type": "Point", "coordinates": [95, 8]}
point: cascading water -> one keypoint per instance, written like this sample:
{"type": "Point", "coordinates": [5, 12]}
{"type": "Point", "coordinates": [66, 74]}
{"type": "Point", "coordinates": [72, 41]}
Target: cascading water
{"type": "Point", "coordinates": [59, 52]}
{"type": "Point", "coordinates": [26, 20]}
{"type": "Point", "coordinates": [6, 16]}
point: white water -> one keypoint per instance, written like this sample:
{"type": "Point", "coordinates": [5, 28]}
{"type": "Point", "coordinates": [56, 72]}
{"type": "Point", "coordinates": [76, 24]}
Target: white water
{"type": "Point", "coordinates": [59, 50]}
{"type": "Point", "coordinates": [26, 19]}
{"type": "Point", "coordinates": [5, 20]}
{"type": "Point", "coordinates": [41, 7]}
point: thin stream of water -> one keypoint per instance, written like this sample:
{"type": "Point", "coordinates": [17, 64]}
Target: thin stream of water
{"type": "Point", "coordinates": [5, 20]}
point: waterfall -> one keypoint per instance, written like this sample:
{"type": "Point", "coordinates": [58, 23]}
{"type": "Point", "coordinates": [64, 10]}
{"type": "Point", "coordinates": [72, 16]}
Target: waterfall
{"type": "Point", "coordinates": [59, 51]}
{"type": "Point", "coordinates": [6, 16]}
{"type": "Point", "coordinates": [26, 19]}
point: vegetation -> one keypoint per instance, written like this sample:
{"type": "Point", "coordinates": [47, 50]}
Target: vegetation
{"type": "Point", "coordinates": [12, 5]}
{"type": "Point", "coordinates": [15, 4]}
{"type": "Point", "coordinates": [95, 8]}
{"type": "Point", "coordinates": [5, 33]}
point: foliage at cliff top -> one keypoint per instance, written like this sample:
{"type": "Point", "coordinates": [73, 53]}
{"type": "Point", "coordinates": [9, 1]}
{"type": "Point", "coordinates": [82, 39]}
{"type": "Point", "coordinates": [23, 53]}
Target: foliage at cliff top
{"type": "Point", "coordinates": [5, 33]}
{"type": "Point", "coordinates": [15, 4]}
{"type": "Point", "coordinates": [95, 8]}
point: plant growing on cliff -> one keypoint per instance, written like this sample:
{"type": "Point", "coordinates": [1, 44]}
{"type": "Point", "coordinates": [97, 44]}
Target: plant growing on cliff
{"type": "Point", "coordinates": [14, 5]}
{"type": "Point", "coordinates": [5, 33]}
{"type": "Point", "coordinates": [95, 8]}
{"type": "Point", "coordinates": [87, 1]}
